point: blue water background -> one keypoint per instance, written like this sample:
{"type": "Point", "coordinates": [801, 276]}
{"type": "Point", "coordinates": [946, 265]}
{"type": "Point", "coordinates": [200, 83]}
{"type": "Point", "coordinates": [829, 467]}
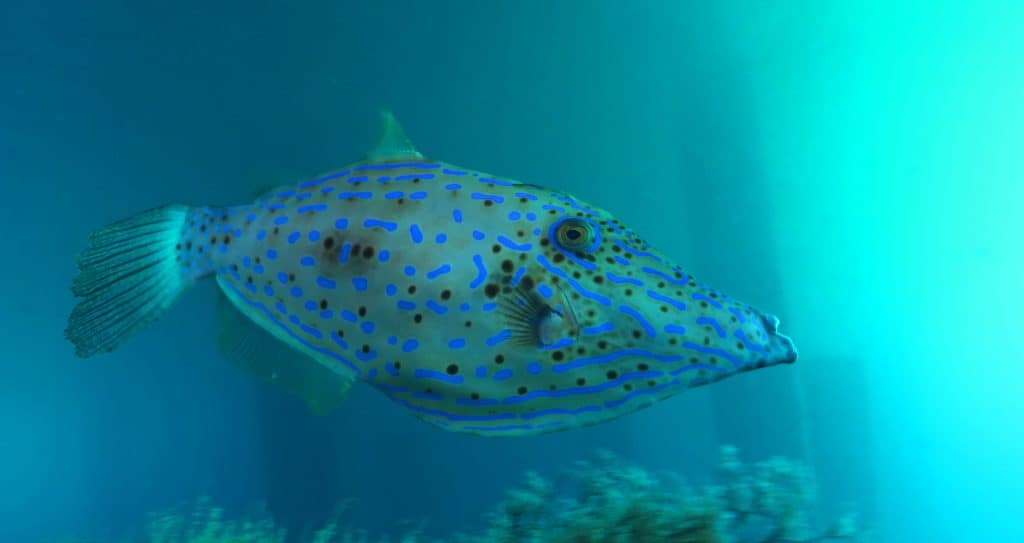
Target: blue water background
{"type": "Point", "coordinates": [853, 167]}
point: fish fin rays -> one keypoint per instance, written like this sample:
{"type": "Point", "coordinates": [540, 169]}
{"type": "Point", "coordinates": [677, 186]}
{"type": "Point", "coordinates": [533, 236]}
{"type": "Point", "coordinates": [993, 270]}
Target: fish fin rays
{"type": "Point", "coordinates": [392, 144]}
{"type": "Point", "coordinates": [129, 276]}
{"type": "Point", "coordinates": [247, 346]}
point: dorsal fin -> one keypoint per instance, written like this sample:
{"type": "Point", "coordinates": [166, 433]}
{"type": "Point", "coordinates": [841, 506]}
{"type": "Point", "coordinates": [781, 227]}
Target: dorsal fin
{"type": "Point", "coordinates": [393, 144]}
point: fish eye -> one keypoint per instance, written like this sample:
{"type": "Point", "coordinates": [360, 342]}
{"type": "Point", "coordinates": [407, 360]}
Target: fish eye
{"type": "Point", "coordinates": [576, 234]}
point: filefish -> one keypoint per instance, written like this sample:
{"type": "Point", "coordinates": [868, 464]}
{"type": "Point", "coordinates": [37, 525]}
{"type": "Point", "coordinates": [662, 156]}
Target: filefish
{"type": "Point", "coordinates": [479, 304]}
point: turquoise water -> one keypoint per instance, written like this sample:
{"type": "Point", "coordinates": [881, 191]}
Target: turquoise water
{"type": "Point", "coordinates": [853, 168]}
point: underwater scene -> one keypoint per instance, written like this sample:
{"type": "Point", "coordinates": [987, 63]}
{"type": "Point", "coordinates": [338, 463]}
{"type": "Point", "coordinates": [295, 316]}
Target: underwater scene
{"type": "Point", "coordinates": [538, 271]}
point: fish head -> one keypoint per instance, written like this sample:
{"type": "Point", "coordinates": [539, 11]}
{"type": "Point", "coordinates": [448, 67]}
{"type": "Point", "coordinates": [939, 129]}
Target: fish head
{"type": "Point", "coordinates": [597, 300]}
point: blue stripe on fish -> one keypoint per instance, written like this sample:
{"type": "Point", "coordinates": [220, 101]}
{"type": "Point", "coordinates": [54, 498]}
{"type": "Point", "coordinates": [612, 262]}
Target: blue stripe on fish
{"type": "Point", "coordinates": [670, 301]}
{"type": "Point", "coordinates": [639, 318]}
{"type": "Point", "coordinates": [713, 323]}
{"type": "Point", "coordinates": [390, 226]}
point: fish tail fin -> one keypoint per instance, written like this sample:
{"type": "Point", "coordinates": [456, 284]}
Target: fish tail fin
{"type": "Point", "coordinates": [130, 274]}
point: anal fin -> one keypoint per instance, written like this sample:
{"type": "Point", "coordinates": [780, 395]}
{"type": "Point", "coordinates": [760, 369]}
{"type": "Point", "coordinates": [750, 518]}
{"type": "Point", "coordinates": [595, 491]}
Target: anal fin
{"type": "Point", "coordinates": [257, 352]}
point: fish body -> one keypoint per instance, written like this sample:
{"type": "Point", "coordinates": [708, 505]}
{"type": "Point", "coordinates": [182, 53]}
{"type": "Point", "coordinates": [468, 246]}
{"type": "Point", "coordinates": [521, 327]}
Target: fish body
{"type": "Point", "coordinates": [479, 304]}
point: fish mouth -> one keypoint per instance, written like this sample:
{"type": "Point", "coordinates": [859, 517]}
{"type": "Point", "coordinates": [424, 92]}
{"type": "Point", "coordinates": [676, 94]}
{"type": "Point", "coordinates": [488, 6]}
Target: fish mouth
{"type": "Point", "coordinates": [781, 349]}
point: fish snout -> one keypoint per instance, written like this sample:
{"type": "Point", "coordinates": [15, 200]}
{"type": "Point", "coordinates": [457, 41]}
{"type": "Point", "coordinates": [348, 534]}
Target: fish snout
{"type": "Point", "coordinates": [780, 348]}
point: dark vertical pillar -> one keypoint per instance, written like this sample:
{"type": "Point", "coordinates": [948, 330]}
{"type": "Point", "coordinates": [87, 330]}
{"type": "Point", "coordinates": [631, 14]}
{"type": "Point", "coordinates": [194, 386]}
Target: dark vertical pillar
{"type": "Point", "coordinates": [300, 459]}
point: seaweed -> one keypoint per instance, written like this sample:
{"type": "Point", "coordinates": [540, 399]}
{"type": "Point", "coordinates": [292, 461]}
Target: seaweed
{"type": "Point", "coordinates": [600, 500]}
{"type": "Point", "coordinates": [609, 500]}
